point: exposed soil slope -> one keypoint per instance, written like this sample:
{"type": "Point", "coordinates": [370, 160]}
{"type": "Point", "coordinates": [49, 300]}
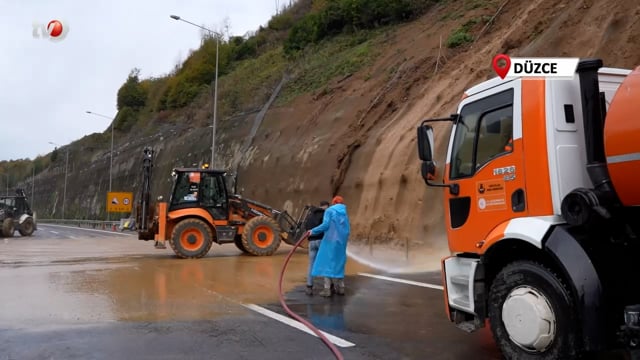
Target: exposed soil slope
{"type": "Point", "coordinates": [358, 139]}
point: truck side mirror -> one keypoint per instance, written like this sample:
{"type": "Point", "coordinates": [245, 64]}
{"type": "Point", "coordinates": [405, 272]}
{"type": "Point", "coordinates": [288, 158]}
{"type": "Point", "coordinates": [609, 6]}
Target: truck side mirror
{"type": "Point", "coordinates": [425, 143]}
{"type": "Point", "coordinates": [428, 170]}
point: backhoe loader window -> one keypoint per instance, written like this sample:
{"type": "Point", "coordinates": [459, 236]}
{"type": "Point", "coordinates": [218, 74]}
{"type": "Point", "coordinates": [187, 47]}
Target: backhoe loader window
{"type": "Point", "coordinates": [213, 194]}
{"type": "Point", "coordinates": [483, 132]}
{"type": "Point", "coordinates": [186, 189]}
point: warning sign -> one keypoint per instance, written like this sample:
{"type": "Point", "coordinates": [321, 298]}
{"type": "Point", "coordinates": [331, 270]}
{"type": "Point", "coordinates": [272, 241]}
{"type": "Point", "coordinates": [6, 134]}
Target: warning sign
{"type": "Point", "coordinates": [119, 201]}
{"type": "Point", "coordinates": [491, 195]}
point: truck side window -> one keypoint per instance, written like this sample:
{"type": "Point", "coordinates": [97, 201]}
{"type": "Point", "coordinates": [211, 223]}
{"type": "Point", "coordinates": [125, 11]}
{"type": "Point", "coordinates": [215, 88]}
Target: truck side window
{"type": "Point", "coordinates": [495, 136]}
{"type": "Point", "coordinates": [483, 131]}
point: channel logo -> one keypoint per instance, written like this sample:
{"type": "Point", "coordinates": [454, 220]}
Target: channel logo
{"type": "Point", "coordinates": [508, 67]}
{"type": "Point", "coordinates": [54, 30]}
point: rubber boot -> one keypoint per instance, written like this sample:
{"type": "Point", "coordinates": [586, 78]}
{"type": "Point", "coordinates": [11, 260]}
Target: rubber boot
{"type": "Point", "coordinates": [326, 291]}
{"type": "Point", "coordinates": [339, 286]}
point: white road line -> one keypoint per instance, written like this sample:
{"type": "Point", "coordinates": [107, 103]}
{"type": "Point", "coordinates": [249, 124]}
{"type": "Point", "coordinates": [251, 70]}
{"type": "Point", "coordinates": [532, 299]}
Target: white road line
{"type": "Point", "coordinates": [409, 282]}
{"type": "Point", "coordinates": [298, 325]}
{"type": "Point", "coordinates": [54, 232]}
{"type": "Point", "coordinates": [80, 228]}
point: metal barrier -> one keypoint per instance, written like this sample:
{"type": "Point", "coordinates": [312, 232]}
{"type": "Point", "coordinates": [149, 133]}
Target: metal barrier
{"type": "Point", "coordinates": [114, 225]}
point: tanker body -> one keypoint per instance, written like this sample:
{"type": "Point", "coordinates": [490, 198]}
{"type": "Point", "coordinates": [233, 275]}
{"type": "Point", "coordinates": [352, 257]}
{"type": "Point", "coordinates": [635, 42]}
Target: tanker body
{"type": "Point", "coordinates": [542, 204]}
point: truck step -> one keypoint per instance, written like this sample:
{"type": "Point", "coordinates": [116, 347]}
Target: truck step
{"type": "Point", "coordinates": [460, 280]}
{"type": "Point", "coordinates": [462, 302]}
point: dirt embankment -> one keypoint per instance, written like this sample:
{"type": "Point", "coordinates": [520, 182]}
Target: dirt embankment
{"type": "Point", "coordinates": [358, 138]}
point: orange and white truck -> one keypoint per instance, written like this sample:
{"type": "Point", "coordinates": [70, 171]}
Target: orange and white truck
{"type": "Point", "coordinates": [542, 203]}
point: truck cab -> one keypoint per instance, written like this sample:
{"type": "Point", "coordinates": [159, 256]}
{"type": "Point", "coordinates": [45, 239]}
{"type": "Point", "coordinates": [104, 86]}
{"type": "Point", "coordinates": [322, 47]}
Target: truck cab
{"type": "Point", "coordinates": [517, 164]}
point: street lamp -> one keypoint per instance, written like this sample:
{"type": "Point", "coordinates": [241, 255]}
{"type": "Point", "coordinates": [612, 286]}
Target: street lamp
{"type": "Point", "coordinates": [215, 94]}
{"type": "Point", "coordinates": [7, 183]}
{"type": "Point", "coordinates": [66, 168]}
{"type": "Point", "coordinates": [112, 122]}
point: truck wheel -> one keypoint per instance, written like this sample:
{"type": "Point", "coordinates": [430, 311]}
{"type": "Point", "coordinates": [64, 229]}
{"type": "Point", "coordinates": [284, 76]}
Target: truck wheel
{"type": "Point", "coordinates": [26, 228]}
{"type": "Point", "coordinates": [191, 239]}
{"type": "Point", "coordinates": [8, 227]}
{"type": "Point", "coordinates": [531, 313]}
{"type": "Point", "coordinates": [238, 242]}
{"type": "Point", "coordinates": [261, 236]}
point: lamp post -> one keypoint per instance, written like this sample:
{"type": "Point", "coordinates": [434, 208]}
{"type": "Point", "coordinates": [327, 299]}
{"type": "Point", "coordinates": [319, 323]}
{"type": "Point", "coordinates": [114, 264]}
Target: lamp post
{"type": "Point", "coordinates": [33, 184]}
{"type": "Point", "coordinates": [66, 168]}
{"type": "Point", "coordinates": [7, 183]}
{"type": "Point", "coordinates": [111, 153]}
{"type": "Point", "coordinates": [215, 93]}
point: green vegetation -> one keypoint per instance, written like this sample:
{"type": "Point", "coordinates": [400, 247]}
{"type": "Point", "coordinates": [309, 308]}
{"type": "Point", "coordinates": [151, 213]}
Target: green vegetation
{"type": "Point", "coordinates": [340, 57]}
{"type": "Point", "coordinates": [462, 35]}
{"type": "Point", "coordinates": [338, 16]}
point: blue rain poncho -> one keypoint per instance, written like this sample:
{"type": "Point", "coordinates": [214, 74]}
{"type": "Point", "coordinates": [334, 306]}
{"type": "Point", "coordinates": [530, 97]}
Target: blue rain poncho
{"type": "Point", "coordinates": [332, 254]}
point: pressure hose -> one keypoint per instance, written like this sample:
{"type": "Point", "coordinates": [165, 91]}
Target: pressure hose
{"type": "Point", "coordinates": [329, 344]}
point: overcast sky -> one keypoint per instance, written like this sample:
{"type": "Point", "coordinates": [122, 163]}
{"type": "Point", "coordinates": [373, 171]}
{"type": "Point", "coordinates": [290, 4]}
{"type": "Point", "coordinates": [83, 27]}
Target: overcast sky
{"type": "Point", "coordinates": [46, 86]}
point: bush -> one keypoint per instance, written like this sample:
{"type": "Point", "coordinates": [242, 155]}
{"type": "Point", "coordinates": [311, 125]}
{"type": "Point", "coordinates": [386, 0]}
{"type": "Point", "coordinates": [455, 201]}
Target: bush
{"type": "Point", "coordinates": [461, 35]}
{"type": "Point", "coordinates": [336, 16]}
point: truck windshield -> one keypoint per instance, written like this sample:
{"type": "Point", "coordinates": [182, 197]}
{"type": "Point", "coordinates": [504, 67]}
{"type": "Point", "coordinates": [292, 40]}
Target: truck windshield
{"type": "Point", "coordinates": [483, 132]}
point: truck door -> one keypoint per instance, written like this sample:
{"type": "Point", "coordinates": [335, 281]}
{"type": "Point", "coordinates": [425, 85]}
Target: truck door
{"type": "Point", "coordinates": [485, 160]}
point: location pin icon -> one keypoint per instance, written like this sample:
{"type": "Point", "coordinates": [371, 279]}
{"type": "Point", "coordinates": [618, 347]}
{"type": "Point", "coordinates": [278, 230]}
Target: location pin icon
{"type": "Point", "coordinates": [502, 71]}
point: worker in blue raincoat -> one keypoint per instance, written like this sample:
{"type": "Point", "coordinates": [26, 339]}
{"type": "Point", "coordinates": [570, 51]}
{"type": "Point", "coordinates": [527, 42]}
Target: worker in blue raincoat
{"type": "Point", "coordinates": [332, 254]}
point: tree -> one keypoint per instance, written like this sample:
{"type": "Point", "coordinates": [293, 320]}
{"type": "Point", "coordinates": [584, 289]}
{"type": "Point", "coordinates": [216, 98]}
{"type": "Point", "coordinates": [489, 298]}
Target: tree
{"type": "Point", "coordinates": [131, 94]}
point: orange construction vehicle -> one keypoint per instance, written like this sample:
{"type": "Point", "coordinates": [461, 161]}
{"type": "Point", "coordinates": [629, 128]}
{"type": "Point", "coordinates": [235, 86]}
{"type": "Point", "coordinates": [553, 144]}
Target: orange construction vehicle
{"type": "Point", "coordinates": [201, 211]}
{"type": "Point", "coordinates": [542, 204]}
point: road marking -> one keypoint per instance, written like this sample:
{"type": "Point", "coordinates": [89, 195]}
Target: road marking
{"type": "Point", "coordinates": [298, 325]}
{"type": "Point", "coordinates": [54, 232]}
{"type": "Point", "coordinates": [80, 228]}
{"type": "Point", "coordinates": [409, 282]}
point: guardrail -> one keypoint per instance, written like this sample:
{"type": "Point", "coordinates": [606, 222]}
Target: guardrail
{"type": "Point", "coordinates": [113, 225]}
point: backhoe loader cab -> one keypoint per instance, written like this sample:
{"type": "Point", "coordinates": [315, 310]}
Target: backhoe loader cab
{"type": "Point", "coordinates": [202, 210]}
{"type": "Point", "coordinates": [15, 214]}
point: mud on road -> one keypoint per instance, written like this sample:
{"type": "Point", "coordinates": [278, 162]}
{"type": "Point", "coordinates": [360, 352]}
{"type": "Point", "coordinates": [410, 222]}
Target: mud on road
{"type": "Point", "coordinates": [72, 293]}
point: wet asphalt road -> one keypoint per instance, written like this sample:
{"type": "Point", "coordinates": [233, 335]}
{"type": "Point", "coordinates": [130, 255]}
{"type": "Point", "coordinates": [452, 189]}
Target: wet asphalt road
{"type": "Point", "coordinates": [70, 293]}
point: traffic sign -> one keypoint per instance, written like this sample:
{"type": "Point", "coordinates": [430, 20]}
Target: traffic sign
{"type": "Point", "coordinates": [119, 201]}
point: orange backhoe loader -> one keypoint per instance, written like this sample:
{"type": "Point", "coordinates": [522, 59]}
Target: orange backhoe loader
{"type": "Point", "coordinates": [200, 211]}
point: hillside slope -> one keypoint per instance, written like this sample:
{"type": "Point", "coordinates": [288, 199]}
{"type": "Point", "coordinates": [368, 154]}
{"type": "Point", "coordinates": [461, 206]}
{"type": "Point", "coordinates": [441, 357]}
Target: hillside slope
{"type": "Point", "coordinates": [356, 136]}
{"type": "Point", "coordinates": [359, 137]}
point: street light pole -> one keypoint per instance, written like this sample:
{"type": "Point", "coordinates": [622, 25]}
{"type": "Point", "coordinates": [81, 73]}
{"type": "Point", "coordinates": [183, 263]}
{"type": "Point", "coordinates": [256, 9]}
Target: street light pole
{"type": "Point", "coordinates": [111, 152]}
{"type": "Point", "coordinates": [7, 175]}
{"type": "Point", "coordinates": [215, 91]}
{"type": "Point", "coordinates": [64, 194]}
{"type": "Point", "coordinates": [33, 184]}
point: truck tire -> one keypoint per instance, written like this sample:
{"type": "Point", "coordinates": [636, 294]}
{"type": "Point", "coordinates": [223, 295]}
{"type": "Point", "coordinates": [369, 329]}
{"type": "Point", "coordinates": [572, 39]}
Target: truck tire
{"type": "Point", "coordinates": [27, 227]}
{"type": "Point", "coordinates": [531, 313]}
{"type": "Point", "coordinates": [261, 236]}
{"type": "Point", "coordinates": [238, 242]}
{"type": "Point", "coordinates": [8, 228]}
{"type": "Point", "coordinates": [191, 239]}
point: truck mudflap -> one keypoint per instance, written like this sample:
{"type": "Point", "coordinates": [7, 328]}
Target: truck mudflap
{"type": "Point", "coordinates": [585, 285]}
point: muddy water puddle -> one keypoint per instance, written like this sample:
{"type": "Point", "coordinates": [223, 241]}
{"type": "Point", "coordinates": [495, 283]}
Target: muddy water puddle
{"type": "Point", "coordinates": [145, 289]}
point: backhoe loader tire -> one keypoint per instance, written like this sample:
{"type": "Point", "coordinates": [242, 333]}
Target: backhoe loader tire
{"type": "Point", "coordinates": [8, 228]}
{"type": "Point", "coordinates": [191, 239]}
{"type": "Point", "coordinates": [261, 236]}
{"type": "Point", "coordinates": [26, 228]}
{"type": "Point", "coordinates": [238, 242]}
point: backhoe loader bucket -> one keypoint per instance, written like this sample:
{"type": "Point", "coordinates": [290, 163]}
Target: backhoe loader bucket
{"type": "Point", "coordinates": [292, 229]}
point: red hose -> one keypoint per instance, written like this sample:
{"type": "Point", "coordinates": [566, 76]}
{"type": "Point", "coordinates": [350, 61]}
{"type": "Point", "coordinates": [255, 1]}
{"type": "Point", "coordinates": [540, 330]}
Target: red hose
{"type": "Point", "coordinates": [331, 346]}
